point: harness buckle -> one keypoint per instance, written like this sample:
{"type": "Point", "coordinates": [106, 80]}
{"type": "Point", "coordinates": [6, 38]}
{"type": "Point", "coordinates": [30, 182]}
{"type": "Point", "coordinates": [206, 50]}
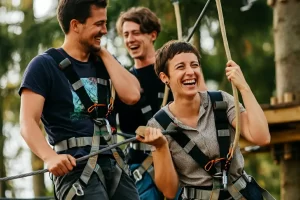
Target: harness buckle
{"type": "Point", "coordinates": [108, 127]}
{"type": "Point", "coordinates": [224, 180]}
{"type": "Point", "coordinates": [246, 177]}
{"type": "Point", "coordinates": [100, 122]}
{"type": "Point", "coordinates": [78, 189]}
{"type": "Point", "coordinates": [137, 175]}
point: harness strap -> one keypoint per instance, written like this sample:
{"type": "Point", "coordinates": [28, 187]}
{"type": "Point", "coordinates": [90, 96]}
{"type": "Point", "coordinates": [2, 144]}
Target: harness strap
{"type": "Point", "coordinates": [193, 193]}
{"type": "Point", "coordinates": [145, 166]}
{"type": "Point", "coordinates": [184, 141]}
{"type": "Point", "coordinates": [75, 190]}
{"type": "Point", "coordinates": [222, 124]}
{"type": "Point", "coordinates": [94, 109]}
{"type": "Point", "coordinates": [88, 169]}
{"type": "Point", "coordinates": [140, 146]}
{"type": "Point", "coordinates": [107, 129]}
{"type": "Point", "coordinates": [144, 103]}
{"type": "Point", "coordinates": [77, 142]}
{"type": "Point", "coordinates": [234, 190]}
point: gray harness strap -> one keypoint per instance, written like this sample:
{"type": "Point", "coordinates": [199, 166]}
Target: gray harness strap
{"type": "Point", "coordinates": [145, 166]}
{"type": "Point", "coordinates": [89, 168]}
{"type": "Point", "coordinates": [110, 140]}
{"type": "Point", "coordinates": [73, 142]}
{"type": "Point", "coordinates": [233, 188]}
{"type": "Point", "coordinates": [100, 130]}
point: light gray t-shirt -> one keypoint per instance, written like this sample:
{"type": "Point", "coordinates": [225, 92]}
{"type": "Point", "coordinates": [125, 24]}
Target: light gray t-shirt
{"type": "Point", "coordinates": [189, 171]}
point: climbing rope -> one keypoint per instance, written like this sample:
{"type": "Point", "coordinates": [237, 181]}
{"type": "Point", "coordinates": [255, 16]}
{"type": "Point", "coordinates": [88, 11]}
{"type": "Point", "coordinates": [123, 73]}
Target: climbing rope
{"type": "Point", "coordinates": [140, 131]}
{"type": "Point", "coordinates": [234, 89]}
{"type": "Point", "coordinates": [179, 35]}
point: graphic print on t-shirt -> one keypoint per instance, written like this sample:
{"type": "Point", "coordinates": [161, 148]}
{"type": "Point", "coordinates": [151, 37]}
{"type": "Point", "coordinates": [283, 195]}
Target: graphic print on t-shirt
{"type": "Point", "coordinates": [90, 86]}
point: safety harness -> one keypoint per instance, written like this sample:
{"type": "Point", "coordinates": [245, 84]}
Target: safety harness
{"type": "Point", "coordinates": [217, 168]}
{"type": "Point", "coordinates": [146, 109]}
{"type": "Point", "coordinates": [100, 113]}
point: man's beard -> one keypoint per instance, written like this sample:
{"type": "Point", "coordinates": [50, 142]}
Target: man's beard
{"type": "Point", "coordinates": [90, 48]}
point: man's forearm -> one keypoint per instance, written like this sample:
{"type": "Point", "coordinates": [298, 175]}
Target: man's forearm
{"type": "Point", "coordinates": [36, 141]}
{"type": "Point", "coordinates": [126, 85]}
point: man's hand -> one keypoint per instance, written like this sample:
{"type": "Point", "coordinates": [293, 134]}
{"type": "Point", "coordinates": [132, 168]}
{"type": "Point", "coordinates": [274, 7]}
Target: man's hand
{"type": "Point", "coordinates": [60, 164]}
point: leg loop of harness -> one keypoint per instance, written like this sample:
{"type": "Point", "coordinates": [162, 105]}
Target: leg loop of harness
{"type": "Point", "coordinates": [75, 190]}
{"type": "Point", "coordinates": [78, 189]}
{"type": "Point", "coordinates": [146, 166]}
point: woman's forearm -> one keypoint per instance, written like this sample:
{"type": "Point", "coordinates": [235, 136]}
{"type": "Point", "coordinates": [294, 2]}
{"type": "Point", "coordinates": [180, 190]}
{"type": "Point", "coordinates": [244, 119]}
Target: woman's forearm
{"type": "Point", "coordinates": [166, 178]}
{"type": "Point", "coordinates": [255, 119]}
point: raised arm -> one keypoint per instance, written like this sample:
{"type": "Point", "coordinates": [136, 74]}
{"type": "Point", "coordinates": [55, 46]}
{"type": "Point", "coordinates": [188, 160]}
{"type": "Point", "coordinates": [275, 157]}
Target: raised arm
{"type": "Point", "coordinates": [254, 125]}
{"type": "Point", "coordinates": [126, 85]}
{"type": "Point", "coordinates": [166, 178]}
{"type": "Point", "coordinates": [30, 115]}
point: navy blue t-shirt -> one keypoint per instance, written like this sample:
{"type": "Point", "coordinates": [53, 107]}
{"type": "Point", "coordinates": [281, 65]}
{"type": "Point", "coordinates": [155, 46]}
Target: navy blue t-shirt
{"type": "Point", "coordinates": [63, 114]}
{"type": "Point", "coordinates": [131, 116]}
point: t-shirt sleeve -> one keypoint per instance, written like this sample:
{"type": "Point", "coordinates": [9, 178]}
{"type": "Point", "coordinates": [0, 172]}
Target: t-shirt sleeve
{"type": "Point", "coordinates": [154, 124]}
{"type": "Point", "coordinates": [230, 106]}
{"type": "Point", "coordinates": [37, 76]}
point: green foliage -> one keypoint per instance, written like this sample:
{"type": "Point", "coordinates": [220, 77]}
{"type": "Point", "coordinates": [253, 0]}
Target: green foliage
{"type": "Point", "coordinates": [250, 40]}
{"type": "Point", "coordinates": [261, 166]}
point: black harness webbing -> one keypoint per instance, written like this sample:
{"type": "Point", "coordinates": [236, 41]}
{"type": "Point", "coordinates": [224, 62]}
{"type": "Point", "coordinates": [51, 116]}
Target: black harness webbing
{"type": "Point", "coordinates": [186, 143]}
{"type": "Point", "coordinates": [222, 124]}
{"type": "Point", "coordinates": [145, 106]}
{"type": "Point", "coordinates": [99, 113]}
{"type": "Point", "coordinates": [103, 86]}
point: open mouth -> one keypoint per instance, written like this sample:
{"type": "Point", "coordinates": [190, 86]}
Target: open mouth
{"type": "Point", "coordinates": [133, 47]}
{"type": "Point", "coordinates": [189, 82]}
{"type": "Point", "coordinates": [98, 39]}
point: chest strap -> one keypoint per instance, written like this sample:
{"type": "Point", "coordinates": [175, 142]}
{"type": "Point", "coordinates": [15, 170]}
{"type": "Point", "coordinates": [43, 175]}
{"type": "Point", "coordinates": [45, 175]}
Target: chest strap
{"type": "Point", "coordinates": [99, 109]}
{"type": "Point", "coordinates": [189, 146]}
{"type": "Point", "coordinates": [183, 140]}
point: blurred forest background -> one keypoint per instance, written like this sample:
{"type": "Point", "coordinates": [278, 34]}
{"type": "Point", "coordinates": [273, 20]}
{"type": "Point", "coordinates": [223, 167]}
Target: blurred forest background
{"type": "Point", "coordinates": [24, 34]}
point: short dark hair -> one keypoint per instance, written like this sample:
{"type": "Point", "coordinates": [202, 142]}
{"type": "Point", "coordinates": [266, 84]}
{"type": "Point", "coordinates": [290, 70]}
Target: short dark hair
{"type": "Point", "coordinates": [147, 20]}
{"type": "Point", "coordinates": [76, 9]}
{"type": "Point", "coordinates": [168, 51]}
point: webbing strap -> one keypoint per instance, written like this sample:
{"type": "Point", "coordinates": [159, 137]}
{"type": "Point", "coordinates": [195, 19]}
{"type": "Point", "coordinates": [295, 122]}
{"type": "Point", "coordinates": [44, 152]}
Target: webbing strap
{"type": "Point", "coordinates": [140, 146]}
{"type": "Point", "coordinates": [72, 142]}
{"type": "Point", "coordinates": [145, 166]}
{"type": "Point", "coordinates": [144, 103]}
{"type": "Point", "coordinates": [222, 124]}
{"type": "Point", "coordinates": [108, 138]}
{"type": "Point", "coordinates": [92, 161]}
{"type": "Point", "coordinates": [193, 193]}
{"type": "Point", "coordinates": [184, 141]}
{"type": "Point", "coordinates": [103, 87]}
{"type": "Point", "coordinates": [75, 190]}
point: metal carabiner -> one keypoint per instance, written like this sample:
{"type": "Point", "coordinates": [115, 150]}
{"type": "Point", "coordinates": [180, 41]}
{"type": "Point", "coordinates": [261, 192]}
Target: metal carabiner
{"type": "Point", "coordinates": [78, 189]}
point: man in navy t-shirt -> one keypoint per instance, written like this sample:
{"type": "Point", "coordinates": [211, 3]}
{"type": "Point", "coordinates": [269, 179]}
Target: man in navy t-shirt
{"type": "Point", "coordinates": [48, 92]}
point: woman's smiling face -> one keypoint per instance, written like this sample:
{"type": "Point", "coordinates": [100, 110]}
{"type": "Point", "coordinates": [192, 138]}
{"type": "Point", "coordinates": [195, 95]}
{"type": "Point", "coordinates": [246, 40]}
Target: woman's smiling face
{"type": "Point", "coordinates": [184, 74]}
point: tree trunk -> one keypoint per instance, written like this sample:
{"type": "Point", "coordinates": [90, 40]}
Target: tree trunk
{"type": "Point", "coordinates": [3, 185]}
{"type": "Point", "coordinates": [287, 45]}
{"type": "Point", "coordinates": [286, 24]}
{"type": "Point", "coordinates": [39, 187]}
{"type": "Point", "coordinates": [289, 179]}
